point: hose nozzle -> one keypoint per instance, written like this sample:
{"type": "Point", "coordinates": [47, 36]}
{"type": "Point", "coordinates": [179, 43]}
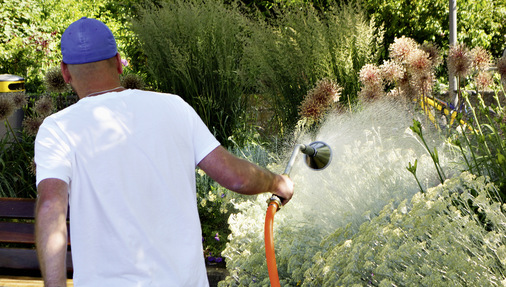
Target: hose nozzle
{"type": "Point", "coordinates": [317, 155]}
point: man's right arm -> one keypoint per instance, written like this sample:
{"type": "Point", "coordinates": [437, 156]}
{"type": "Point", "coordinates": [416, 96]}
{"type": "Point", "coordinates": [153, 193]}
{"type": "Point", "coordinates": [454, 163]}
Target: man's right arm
{"type": "Point", "coordinates": [243, 176]}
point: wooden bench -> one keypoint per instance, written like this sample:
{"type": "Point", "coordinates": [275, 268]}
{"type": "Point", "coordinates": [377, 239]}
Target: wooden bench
{"type": "Point", "coordinates": [17, 239]}
{"type": "Point", "coordinates": [18, 257]}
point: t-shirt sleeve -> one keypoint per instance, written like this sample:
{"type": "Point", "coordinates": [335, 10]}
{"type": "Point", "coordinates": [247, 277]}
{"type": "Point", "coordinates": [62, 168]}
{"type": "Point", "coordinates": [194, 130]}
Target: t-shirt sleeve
{"type": "Point", "coordinates": [52, 153]}
{"type": "Point", "coordinates": [204, 141]}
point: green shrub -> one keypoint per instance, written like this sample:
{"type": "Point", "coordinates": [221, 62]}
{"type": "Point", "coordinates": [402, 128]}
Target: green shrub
{"type": "Point", "coordinates": [30, 33]}
{"type": "Point", "coordinates": [479, 22]}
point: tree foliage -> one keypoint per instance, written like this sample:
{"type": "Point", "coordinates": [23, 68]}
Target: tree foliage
{"type": "Point", "coordinates": [479, 22]}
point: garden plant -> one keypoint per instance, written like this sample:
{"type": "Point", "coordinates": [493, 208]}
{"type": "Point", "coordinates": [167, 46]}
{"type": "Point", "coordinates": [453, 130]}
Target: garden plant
{"type": "Point", "coordinates": [265, 75]}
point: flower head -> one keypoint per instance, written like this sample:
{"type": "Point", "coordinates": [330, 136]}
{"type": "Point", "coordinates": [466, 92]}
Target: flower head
{"type": "Point", "coordinates": [6, 108]}
{"type": "Point", "coordinates": [54, 81]}
{"type": "Point", "coordinates": [44, 106]}
{"type": "Point", "coordinates": [391, 71]}
{"type": "Point", "coordinates": [481, 59]}
{"type": "Point", "coordinates": [132, 81]}
{"type": "Point", "coordinates": [419, 63]}
{"type": "Point", "coordinates": [459, 60]}
{"type": "Point", "coordinates": [401, 48]}
{"type": "Point", "coordinates": [31, 125]}
{"type": "Point", "coordinates": [19, 100]}
{"type": "Point", "coordinates": [483, 80]}
{"type": "Point", "coordinates": [423, 83]}
{"type": "Point", "coordinates": [434, 53]}
{"type": "Point", "coordinates": [372, 81]}
{"type": "Point", "coordinates": [320, 99]}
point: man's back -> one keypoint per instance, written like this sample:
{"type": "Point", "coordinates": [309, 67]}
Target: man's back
{"type": "Point", "coordinates": [129, 159]}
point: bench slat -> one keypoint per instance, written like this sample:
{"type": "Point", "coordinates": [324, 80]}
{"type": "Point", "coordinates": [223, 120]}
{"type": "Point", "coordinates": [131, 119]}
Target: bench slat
{"type": "Point", "coordinates": [23, 258]}
{"type": "Point", "coordinates": [16, 232]}
{"type": "Point", "coordinates": [17, 208]}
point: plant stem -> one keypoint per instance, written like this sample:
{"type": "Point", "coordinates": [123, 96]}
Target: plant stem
{"type": "Point", "coordinates": [16, 139]}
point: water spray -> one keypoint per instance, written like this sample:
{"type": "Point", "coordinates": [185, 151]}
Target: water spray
{"type": "Point", "coordinates": [317, 156]}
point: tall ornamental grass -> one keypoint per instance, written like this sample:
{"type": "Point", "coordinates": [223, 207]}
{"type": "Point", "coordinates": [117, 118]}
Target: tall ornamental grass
{"type": "Point", "coordinates": [194, 50]}
{"type": "Point", "coordinates": [288, 54]}
{"type": "Point", "coordinates": [215, 56]}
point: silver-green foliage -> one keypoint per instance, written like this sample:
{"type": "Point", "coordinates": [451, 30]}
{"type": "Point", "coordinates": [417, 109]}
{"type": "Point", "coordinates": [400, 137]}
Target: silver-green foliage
{"type": "Point", "coordinates": [451, 235]}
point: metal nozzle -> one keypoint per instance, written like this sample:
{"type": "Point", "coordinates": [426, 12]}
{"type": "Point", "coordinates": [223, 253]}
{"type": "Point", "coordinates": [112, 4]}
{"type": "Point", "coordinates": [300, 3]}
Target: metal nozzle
{"type": "Point", "coordinates": [317, 155]}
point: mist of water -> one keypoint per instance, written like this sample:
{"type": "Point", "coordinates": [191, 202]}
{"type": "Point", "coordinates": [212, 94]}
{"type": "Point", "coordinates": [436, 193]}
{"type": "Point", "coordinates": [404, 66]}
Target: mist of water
{"type": "Point", "coordinates": [371, 150]}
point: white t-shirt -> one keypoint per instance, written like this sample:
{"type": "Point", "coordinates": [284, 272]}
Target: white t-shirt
{"type": "Point", "coordinates": [129, 159]}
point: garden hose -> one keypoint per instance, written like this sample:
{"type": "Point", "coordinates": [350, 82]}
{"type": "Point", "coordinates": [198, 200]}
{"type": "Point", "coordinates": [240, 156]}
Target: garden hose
{"type": "Point", "coordinates": [318, 156]}
{"type": "Point", "coordinates": [273, 207]}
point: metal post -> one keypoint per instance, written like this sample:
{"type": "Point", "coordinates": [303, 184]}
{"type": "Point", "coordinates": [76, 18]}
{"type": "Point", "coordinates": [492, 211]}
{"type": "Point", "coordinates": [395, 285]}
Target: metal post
{"type": "Point", "coordinates": [452, 87]}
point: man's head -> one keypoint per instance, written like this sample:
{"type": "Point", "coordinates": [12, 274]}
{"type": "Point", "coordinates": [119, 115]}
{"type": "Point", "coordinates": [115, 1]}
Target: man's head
{"type": "Point", "coordinates": [86, 41]}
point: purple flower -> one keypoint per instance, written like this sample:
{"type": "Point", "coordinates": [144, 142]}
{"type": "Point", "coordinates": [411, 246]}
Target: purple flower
{"type": "Point", "coordinates": [217, 237]}
{"type": "Point", "coordinates": [211, 259]}
{"type": "Point", "coordinates": [124, 62]}
{"type": "Point", "coordinates": [218, 259]}
{"type": "Point", "coordinates": [222, 195]}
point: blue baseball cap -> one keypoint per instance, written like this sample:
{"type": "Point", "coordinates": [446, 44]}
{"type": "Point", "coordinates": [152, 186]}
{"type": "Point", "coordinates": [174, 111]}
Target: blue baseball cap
{"type": "Point", "coordinates": [87, 40]}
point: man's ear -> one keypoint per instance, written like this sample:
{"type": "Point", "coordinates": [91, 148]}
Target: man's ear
{"type": "Point", "coordinates": [119, 65]}
{"type": "Point", "coordinates": [65, 72]}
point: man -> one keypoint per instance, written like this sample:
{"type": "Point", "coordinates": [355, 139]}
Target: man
{"type": "Point", "coordinates": [125, 162]}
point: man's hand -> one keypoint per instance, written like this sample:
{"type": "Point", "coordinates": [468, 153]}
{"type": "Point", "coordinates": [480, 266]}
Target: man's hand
{"type": "Point", "coordinates": [283, 188]}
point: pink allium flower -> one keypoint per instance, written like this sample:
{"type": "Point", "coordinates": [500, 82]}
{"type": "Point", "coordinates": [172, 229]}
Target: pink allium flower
{"type": "Point", "coordinates": [370, 75]}
{"type": "Point", "coordinates": [401, 48]}
{"type": "Point", "coordinates": [320, 99]}
{"type": "Point", "coordinates": [481, 59]}
{"type": "Point", "coordinates": [434, 53]}
{"type": "Point", "coordinates": [391, 72]}
{"type": "Point", "coordinates": [459, 60]}
{"type": "Point", "coordinates": [423, 83]}
{"type": "Point", "coordinates": [483, 80]}
{"type": "Point", "coordinates": [372, 81]}
{"type": "Point", "coordinates": [418, 63]}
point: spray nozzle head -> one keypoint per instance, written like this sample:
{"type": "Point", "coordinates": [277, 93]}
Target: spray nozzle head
{"type": "Point", "coordinates": [317, 155]}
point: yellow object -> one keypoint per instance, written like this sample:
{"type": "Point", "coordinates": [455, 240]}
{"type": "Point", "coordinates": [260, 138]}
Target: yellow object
{"type": "Point", "coordinates": [425, 101]}
{"type": "Point", "coordinates": [11, 84]}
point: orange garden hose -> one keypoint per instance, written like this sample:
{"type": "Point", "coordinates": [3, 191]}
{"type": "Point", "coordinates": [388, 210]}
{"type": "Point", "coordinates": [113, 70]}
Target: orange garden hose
{"type": "Point", "coordinates": [273, 207]}
{"type": "Point", "coordinates": [318, 156]}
